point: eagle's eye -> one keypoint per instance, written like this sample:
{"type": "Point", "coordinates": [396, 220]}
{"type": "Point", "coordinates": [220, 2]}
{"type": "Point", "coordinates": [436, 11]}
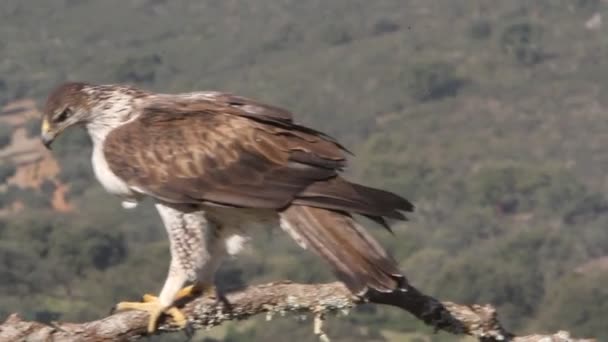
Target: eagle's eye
{"type": "Point", "coordinates": [63, 115]}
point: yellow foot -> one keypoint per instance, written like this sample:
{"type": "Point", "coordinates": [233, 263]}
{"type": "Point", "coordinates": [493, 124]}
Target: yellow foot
{"type": "Point", "coordinates": [190, 291]}
{"type": "Point", "coordinates": [152, 306]}
{"type": "Point", "coordinates": [197, 289]}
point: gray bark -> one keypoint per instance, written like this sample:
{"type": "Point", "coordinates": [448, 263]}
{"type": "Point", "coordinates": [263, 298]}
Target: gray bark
{"type": "Point", "coordinates": [479, 321]}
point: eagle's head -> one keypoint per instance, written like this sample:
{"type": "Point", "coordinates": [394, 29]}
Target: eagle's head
{"type": "Point", "coordinates": [67, 105]}
{"type": "Point", "coordinates": [99, 107]}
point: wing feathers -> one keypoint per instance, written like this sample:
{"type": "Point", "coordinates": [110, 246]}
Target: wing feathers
{"type": "Point", "coordinates": [354, 255]}
{"type": "Point", "coordinates": [225, 150]}
{"type": "Point", "coordinates": [219, 148]}
{"type": "Point", "coordinates": [337, 193]}
{"type": "Point", "coordinates": [198, 156]}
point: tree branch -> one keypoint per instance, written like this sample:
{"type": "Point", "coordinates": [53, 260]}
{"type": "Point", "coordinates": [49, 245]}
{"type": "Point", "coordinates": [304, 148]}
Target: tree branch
{"type": "Point", "coordinates": [479, 321]}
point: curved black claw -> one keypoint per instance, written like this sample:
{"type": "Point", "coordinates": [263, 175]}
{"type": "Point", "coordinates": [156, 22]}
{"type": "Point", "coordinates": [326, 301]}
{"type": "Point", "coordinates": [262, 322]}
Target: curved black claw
{"type": "Point", "coordinates": [189, 331]}
{"type": "Point", "coordinates": [220, 298]}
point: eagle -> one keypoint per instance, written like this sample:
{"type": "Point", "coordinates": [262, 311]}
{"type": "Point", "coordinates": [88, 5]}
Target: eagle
{"type": "Point", "coordinates": [220, 167]}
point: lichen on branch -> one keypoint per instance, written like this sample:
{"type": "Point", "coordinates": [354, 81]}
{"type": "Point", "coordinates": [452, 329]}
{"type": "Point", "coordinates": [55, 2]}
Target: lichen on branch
{"type": "Point", "coordinates": [280, 298]}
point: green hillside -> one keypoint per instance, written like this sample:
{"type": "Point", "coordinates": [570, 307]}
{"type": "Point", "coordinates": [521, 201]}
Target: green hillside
{"type": "Point", "coordinates": [488, 115]}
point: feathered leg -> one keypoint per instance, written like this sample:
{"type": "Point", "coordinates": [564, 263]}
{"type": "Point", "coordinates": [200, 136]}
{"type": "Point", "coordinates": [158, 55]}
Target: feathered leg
{"type": "Point", "coordinates": [205, 277]}
{"type": "Point", "coordinates": [190, 236]}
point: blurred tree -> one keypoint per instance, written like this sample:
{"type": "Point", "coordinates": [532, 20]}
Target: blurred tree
{"type": "Point", "coordinates": [522, 41]}
{"type": "Point", "coordinates": [384, 26]}
{"type": "Point", "coordinates": [3, 88]}
{"type": "Point", "coordinates": [7, 170]}
{"type": "Point", "coordinates": [515, 284]}
{"type": "Point", "coordinates": [433, 81]}
{"type": "Point", "coordinates": [31, 198]}
{"type": "Point", "coordinates": [337, 35]}
{"type": "Point", "coordinates": [587, 4]}
{"type": "Point", "coordinates": [95, 248]}
{"type": "Point", "coordinates": [139, 70]}
{"type": "Point", "coordinates": [32, 127]}
{"type": "Point", "coordinates": [579, 301]}
{"type": "Point", "coordinates": [48, 187]}
{"type": "Point", "coordinates": [480, 29]}
{"type": "Point", "coordinates": [585, 209]}
{"type": "Point", "coordinates": [512, 189]}
{"type": "Point", "coordinates": [6, 134]}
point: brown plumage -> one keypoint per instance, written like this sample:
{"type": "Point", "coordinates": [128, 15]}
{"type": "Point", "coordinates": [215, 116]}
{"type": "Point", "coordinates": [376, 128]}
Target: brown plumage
{"type": "Point", "coordinates": [214, 152]}
{"type": "Point", "coordinates": [219, 162]}
{"type": "Point", "coordinates": [197, 152]}
{"type": "Point", "coordinates": [354, 255]}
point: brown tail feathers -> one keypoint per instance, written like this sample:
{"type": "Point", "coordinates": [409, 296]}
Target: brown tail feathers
{"type": "Point", "coordinates": [339, 194]}
{"type": "Point", "coordinates": [356, 257]}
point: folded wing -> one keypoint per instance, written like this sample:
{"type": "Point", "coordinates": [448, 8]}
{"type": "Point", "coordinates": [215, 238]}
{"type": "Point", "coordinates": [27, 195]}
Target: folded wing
{"type": "Point", "coordinates": [245, 154]}
{"type": "Point", "coordinates": [193, 151]}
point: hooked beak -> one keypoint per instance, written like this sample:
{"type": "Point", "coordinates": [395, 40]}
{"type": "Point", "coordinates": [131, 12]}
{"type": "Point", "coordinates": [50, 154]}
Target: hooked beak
{"type": "Point", "coordinates": [47, 136]}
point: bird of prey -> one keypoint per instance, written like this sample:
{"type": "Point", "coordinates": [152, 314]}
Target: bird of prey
{"type": "Point", "coordinates": [218, 167]}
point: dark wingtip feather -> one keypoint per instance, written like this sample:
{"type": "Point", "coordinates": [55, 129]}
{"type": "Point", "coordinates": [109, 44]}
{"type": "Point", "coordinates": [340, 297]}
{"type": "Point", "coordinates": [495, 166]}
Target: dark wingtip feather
{"type": "Point", "coordinates": [381, 221]}
{"type": "Point", "coordinates": [339, 194]}
{"type": "Point", "coordinates": [384, 198]}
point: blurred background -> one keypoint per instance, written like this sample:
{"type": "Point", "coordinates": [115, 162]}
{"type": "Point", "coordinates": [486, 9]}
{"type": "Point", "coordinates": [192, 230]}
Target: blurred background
{"type": "Point", "coordinates": [489, 115]}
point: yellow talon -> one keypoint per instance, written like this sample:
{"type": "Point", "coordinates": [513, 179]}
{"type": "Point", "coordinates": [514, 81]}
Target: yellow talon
{"type": "Point", "coordinates": [197, 290]}
{"type": "Point", "coordinates": [189, 291]}
{"type": "Point", "coordinates": [147, 298]}
{"type": "Point", "coordinates": [152, 306]}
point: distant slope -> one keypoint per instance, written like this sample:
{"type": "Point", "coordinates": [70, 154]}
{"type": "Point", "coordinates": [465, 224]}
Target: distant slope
{"type": "Point", "coordinates": [489, 115]}
{"type": "Point", "coordinates": [31, 165]}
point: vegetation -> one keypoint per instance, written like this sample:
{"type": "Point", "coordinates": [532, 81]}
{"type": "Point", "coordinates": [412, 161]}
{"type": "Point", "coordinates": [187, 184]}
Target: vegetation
{"type": "Point", "coordinates": [488, 115]}
{"type": "Point", "coordinates": [523, 42]}
{"type": "Point", "coordinates": [6, 134]}
{"type": "Point", "coordinates": [32, 127]}
{"type": "Point", "coordinates": [7, 170]}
